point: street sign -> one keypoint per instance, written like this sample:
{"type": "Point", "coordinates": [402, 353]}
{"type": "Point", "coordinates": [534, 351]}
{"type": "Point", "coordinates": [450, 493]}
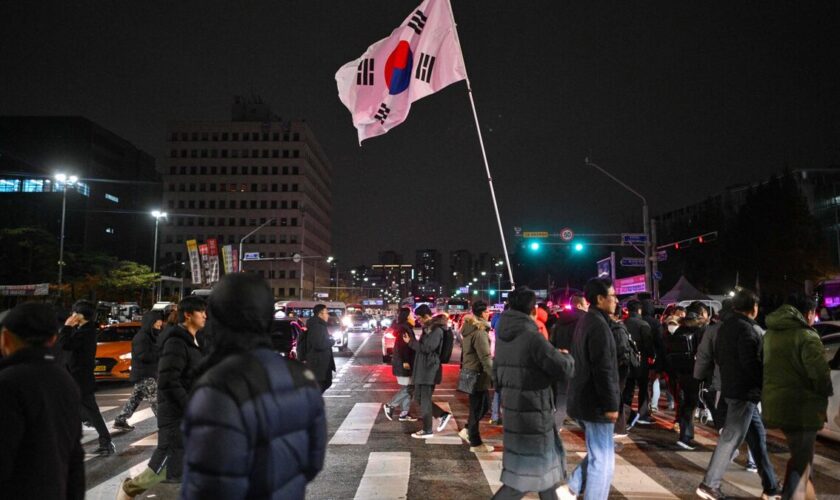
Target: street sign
{"type": "Point", "coordinates": [535, 234]}
{"type": "Point", "coordinates": [657, 276]}
{"type": "Point", "coordinates": [566, 234]}
{"type": "Point", "coordinates": [251, 256]}
{"type": "Point", "coordinates": [662, 255]}
{"type": "Point", "coordinates": [464, 289]}
{"type": "Point", "coordinates": [632, 262]}
{"type": "Point", "coordinates": [296, 258]}
{"type": "Point", "coordinates": [633, 284]}
{"type": "Point", "coordinates": [633, 238]}
{"type": "Point", "coordinates": [322, 295]}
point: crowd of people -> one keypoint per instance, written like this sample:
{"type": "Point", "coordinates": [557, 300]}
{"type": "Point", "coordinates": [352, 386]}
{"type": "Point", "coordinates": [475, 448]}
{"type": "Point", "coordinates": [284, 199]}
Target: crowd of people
{"type": "Point", "coordinates": [237, 419]}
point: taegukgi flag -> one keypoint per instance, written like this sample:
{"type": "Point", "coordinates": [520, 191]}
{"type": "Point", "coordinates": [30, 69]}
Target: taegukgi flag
{"type": "Point", "coordinates": [420, 57]}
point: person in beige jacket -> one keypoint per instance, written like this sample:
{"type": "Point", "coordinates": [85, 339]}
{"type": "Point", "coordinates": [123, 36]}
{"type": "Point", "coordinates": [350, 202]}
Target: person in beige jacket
{"type": "Point", "coordinates": [475, 349]}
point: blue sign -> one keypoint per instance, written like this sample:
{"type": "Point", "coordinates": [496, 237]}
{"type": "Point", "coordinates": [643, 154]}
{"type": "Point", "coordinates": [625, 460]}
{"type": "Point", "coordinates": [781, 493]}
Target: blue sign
{"type": "Point", "coordinates": [657, 275]}
{"type": "Point", "coordinates": [633, 238]}
{"type": "Point", "coordinates": [632, 262]}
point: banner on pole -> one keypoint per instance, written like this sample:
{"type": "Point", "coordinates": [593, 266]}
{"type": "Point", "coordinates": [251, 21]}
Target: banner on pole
{"type": "Point", "coordinates": [227, 258]}
{"type": "Point", "coordinates": [235, 257]}
{"type": "Point", "coordinates": [213, 255]}
{"type": "Point", "coordinates": [195, 262]}
{"type": "Point", "coordinates": [204, 252]}
{"type": "Point", "coordinates": [421, 57]}
{"type": "Point", "coordinates": [19, 290]}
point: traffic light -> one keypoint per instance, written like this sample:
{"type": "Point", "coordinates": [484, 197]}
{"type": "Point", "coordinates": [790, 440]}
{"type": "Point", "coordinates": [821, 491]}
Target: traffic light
{"type": "Point", "coordinates": [534, 246]}
{"type": "Point", "coordinates": [492, 292]}
{"type": "Point", "coordinates": [578, 247]}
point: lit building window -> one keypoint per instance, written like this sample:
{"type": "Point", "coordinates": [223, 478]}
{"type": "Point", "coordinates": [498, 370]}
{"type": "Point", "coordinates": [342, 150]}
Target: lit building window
{"type": "Point", "coordinates": [111, 197]}
{"type": "Point", "coordinates": [33, 185]}
{"type": "Point", "coordinates": [9, 185]}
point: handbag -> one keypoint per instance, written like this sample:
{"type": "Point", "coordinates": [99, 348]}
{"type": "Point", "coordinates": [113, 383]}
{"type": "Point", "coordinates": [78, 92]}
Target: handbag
{"type": "Point", "coordinates": [467, 380]}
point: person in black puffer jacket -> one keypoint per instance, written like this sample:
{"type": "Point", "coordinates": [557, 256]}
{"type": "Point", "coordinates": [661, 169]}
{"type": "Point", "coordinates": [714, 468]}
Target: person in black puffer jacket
{"type": "Point", "coordinates": [526, 367]}
{"type": "Point", "coordinates": [402, 362]}
{"type": "Point", "coordinates": [144, 361]}
{"type": "Point", "coordinates": [561, 338]}
{"type": "Point", "coordinates": [255, 425]}
{"type": "Point", "coordinates": [180, 357]}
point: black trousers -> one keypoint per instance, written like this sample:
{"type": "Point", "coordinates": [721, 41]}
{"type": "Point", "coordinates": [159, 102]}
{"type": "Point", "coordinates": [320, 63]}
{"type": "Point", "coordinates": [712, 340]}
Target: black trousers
{"type": "Point", "coordinates": [630, 388]}
{"type": "Point", "coordinates": [508, 493]}
{"type": "Point", "coordinates": [479, 404]}
{"type": "Point", "coordinates": [688, 398]}
{"type": "Point", "coordinates": [325, 384]}
{"type": "Point", "coordinates": [90, 413]}
{"type": "Point", "coordinates": [423, 394]}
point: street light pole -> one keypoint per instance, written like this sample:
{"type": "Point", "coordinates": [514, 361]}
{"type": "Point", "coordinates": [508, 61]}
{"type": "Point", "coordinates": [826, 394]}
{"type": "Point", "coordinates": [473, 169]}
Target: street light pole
{"type": "Point", "coordinates": [242, 241]}
{"type": "Point", "coordinates": [645, 221]}
{"type": "Point", "coordinates": [158, 215]}
{"type": "Point", "coordinates": [65, 180]}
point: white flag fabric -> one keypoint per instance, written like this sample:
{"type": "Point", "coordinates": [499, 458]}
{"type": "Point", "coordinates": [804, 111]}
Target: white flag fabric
{"type": "Point", "coordinates": [420, 57]}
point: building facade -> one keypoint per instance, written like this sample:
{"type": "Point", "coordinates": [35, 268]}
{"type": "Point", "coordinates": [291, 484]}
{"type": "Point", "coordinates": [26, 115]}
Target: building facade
{"type": "Point", "coordinates": [225, 179]}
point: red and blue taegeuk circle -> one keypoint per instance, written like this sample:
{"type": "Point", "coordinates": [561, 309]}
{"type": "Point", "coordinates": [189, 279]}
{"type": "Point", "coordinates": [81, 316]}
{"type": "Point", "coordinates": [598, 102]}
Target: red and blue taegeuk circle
{"type": "Point", "coordinates": [398, 68]}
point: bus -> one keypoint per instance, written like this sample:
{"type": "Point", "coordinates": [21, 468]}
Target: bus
{"type": "Point", "coordinates": [457, 305]}
{"type": "Point", "coordinates": [303, 308]}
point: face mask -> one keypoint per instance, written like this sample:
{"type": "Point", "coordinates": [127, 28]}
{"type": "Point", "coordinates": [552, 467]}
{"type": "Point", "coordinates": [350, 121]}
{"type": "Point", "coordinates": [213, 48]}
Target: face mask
{"type": "Point", "coordinates": [672, 328]}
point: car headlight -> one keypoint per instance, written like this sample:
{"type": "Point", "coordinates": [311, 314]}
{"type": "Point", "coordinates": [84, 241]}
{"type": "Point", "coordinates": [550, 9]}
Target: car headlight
{"type": "Point", "coordinates": [125, 356]}
{"type": "Point", "coordinates": [346, 321]}
{"type": "Point", "coordinates": [386, 323]}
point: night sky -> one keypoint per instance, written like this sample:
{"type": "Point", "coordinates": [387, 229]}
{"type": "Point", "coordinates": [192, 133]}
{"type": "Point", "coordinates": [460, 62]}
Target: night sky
{"type": "Point", "coordinates": [678, 100]}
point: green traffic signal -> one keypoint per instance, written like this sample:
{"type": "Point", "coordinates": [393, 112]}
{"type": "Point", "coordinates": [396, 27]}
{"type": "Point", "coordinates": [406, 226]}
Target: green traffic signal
{"type": "Point", "coordinates": [534, 246]}
{"type": "Point", "coordinates": [578, 247]}
{"type": "Point", "coordinates": [492, 292]}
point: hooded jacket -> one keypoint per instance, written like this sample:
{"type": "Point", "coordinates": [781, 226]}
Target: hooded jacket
{"type": "Point", "coordinates": [179, 360]}
{"type": "Point", "coordinates": [797, 379]}
{"type": "Point", "coordinates": [144, 351]}
{"type": "Point", "coordinates": [525, 369]}
{"type": "Point", "coordinates": [564, 328]}
{"type": "Point", "coordinates": [427, 369]}
{"type": "Point", "coordinates": [81, 342]}
{"type": "Point", "coordinates": [739, 354]}
{"type": "Point", "coordinates": [594, 389]}
{"type": "Point", "coordinates": [403, 353]}
{"type": "Point", "coordinates": [476, 351]}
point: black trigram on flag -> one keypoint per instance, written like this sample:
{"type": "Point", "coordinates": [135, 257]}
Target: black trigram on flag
{"type": "Point", "coordinates": [424, 67]}
{"type": "Point", "coordinates": [418, 21]}
{"type": "Point", "coordinates": [364, 75]}
{"type": "Point", "coordinates": [382, 114]}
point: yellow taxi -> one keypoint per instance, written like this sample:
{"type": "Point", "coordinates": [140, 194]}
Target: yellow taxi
{"type": "Point", "coordinates": [113, 351]}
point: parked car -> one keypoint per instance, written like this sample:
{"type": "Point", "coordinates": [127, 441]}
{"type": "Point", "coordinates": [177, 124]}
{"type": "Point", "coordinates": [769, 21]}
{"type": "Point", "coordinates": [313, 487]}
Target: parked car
{"type": "Point", "coordinates": [831, 342]}
{"type": "Point", "coordinates": [113, 351]}
{"type": "Point", "coordinates": [827, 327]}
{"type": "Point", "coordinates": [338, 332]}
{"type": "Point", "coordinates": [359, 322]}
{"type": "Point", "coordinates": [388, 338]}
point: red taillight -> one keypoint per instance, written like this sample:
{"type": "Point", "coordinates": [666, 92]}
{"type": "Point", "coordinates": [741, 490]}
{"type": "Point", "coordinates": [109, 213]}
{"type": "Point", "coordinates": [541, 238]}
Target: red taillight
{"type": "Point", "coordinates": [389, 335]}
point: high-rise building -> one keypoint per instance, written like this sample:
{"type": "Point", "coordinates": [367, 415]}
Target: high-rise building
{"type": "Point", "coordinates": [428, 271]}
{"type": "Point", "coordinates": [226, 179]}
{"type": "Point", "coordinates": [389, 258]}
{"type": "Point", "coordinates": [461, 268]}
{"type": "Point", "coordinates": [108, 209]}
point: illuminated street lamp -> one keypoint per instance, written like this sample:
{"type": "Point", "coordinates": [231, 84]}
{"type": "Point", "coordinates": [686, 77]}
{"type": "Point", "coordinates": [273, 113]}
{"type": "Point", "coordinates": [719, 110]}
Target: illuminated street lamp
{"type": "Point", "coordinates": [158, 215]}
{"type": "Point", "coordinates": [65, 180]}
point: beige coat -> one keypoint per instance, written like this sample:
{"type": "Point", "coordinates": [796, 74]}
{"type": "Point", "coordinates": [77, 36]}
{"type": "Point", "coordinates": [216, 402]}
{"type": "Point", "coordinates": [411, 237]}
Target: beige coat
{"type": "Point", "coordinates": [476, 350]}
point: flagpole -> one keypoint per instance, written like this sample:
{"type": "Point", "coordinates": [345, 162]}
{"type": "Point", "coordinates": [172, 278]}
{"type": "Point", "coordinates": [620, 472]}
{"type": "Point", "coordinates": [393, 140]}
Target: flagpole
{"type": "Point", "coordinates": [483, 152]}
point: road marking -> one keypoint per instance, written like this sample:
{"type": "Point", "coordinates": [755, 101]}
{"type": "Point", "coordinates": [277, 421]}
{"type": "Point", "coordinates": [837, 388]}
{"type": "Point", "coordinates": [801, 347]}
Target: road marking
{"type": "Point", "coordinates": [491, 466]}
{"type": "Point", "coordinates": [735, 474]}
{"type": "Point", "coordinates": [150, 440]}
{"type": "Point", "coordinates": [103, 409]}
{"type": "Point", "coordinates": [631, 482]}
{"type": "Point", "coordinates": [386, 476]}
{"type": "Point", "coordinates": [356, 427]}
{"type": "Point", "coordinates": [111, 394]}
{"type": "Point", "coordinates": [366, 386]}
{"type": "Point", "coordinates": [108, 489]}
{"type": "Point", "coordinates": [141, 415]}
{"type": "Point", "coordinates": [335, 395]}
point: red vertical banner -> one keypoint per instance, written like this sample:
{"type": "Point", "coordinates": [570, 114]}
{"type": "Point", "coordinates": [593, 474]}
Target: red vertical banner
{"type": "Point", "coordinates": [213, 255]}
{"type": "Point", "coordinates": [204, 252]}
{"type": "Point", "coordinates": [235, 254]}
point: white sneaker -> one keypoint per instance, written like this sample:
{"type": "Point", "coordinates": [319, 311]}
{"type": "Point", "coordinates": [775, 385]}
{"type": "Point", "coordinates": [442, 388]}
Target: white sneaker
{"type": "Point", "coordinates": [464, 434]}
{"type": "Point", "coordinates": [444, 419]}
{"type": "Point", "coordinates": [482, 448]}
{"type": "Point", "coordinates": [565, 493]}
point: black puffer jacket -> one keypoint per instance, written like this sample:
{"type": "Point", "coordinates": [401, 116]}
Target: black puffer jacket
{"type": "Point", "coordinates": [739, 352]}
{"type": "Point", "coordinates": [564, 327]}
{"type": "Point", "coordinates": [640, 334]}
{"type": "Point", "coordinates": [179, 359]}
{"type": "Point", "coordinates": [81, 342]}
{"type": "Point", "coordinates": [403, 353]}
{"type": "Point", "coordinates": [144, 351]}
{"type": "Point", "coordinates": [594, 389]}
{"type": "Point", "coordinates": [525, 368]}
{"type": "Point", "coordinates": [319, 356]}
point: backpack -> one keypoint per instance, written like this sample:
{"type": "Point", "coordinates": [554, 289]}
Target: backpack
{"type": "Point", "coordinates": [446, 344]}
{"type": "Point", "coordinates": [622, 344]}
{"type": "Point", "coordinates": [635, 357]}
{"type": "Point", "coordinates": [680, 352]}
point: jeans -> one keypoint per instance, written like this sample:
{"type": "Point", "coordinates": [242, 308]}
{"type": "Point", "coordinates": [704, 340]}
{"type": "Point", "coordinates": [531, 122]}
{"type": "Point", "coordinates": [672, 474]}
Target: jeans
{"type": "Point", "coordinates": [423, 394]}
{"type": "Point", "coordinates": [144, 389]}
{"type": "Point", "coordinates": [742, 422]}
{"type": "Point", "coordinates": [687, 388]}
{"type": "Point", "coordinates": [403, 398]}
{"type": "Point", "coordinates": [479, 404]}
{"type": "Point", "coordinates": [561, 395]}
{"type": "Point", "coordinates": [594, 473]}
{"type": "Point", "coordinates": [90, 413]}
{"type": "Point", "coordinates": [508, 493]}
{"type": "Point", "coordinates": [496, 407]}
{"type": "Point", "coordinates": [799, 468]}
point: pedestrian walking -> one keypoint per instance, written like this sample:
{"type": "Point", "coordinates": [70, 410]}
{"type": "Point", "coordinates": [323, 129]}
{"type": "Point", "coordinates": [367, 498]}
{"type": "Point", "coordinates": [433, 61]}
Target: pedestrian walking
{"type": "Point", "coordinates": [402, 364]}
{"type": "Point", "coordinates": [179, 359]}
{"type": "Point", "coordinates": [476, 358]}
{"type": "Point", "coordinates": [496, 404]}
{"type": "Point", "coordinates": [255, 425]}
{"type": "Point", "coordinates": [639, 375]}
{"type": "Point", "coordinates": [41, 454]}
{"type": "Point", "coordinates": [623, 355]}
{"type": "Point", "coordinates": [526, 367]}
{"type": "Point", "coordinates": [593, 393]}
{"type": "Point", "coordinates": [144, 361]}
{"type": "Point", "coordinates": [740, 355]}
{"type": "Point", "coordinates": [682, 349]}
{"type": "Point", "coordinates": [707, 370]}
{"type": "Point", "coordinates": [427, 371]}
{"type": "Point", "coordinates": [561, 338]}
{"type": "Point", "coordinates": [319, 356]}
{"type": "Point", "coordinates": [797, 385]}
{"type": "Point", "coordinates": [658, 365]}
{"type": "Point", "coordinates": [78, 336]}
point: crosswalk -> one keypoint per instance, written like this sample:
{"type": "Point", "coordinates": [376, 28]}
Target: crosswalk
{"type": "Point", "coordinates": [370, 457]}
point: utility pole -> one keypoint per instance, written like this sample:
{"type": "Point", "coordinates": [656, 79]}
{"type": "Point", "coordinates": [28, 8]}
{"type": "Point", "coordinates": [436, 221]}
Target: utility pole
{"type": "Point", "coordinates": [241, 255]}
{"type": "Point", "coordinates": [654, 260]}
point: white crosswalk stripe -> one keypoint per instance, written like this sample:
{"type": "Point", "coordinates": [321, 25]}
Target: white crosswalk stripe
{"type": "Point", "coordinates": [139, 416]}
{"type": "Point", "coordinates": [356, 427]}
{"type": "Point", "coordinates": [108, 489]}
{"type": "Point", "coordinates": [735, 474]}
{"type": "Point", "coordinates": [386, 476]}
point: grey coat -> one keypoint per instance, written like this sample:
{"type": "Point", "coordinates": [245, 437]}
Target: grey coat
{"type": "Point", "coordinates": [525, 368]}
{"type": "Point", "coordinates": [705, 367]}
{"type": "Point", "coordinates": [427, 369]}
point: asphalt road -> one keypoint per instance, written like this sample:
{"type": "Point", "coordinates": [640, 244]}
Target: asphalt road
{"type": "Point", "coordinates": [371, 457]}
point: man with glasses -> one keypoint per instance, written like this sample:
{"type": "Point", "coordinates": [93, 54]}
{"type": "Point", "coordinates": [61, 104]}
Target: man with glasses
{"type": "Point", "coordinates": [594, 393]}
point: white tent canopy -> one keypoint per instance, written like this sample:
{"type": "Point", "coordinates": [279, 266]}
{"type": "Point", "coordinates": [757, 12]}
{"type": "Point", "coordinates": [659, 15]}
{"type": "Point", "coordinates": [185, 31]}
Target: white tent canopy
{"type": "Point", "coordinates": [683, 290]}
